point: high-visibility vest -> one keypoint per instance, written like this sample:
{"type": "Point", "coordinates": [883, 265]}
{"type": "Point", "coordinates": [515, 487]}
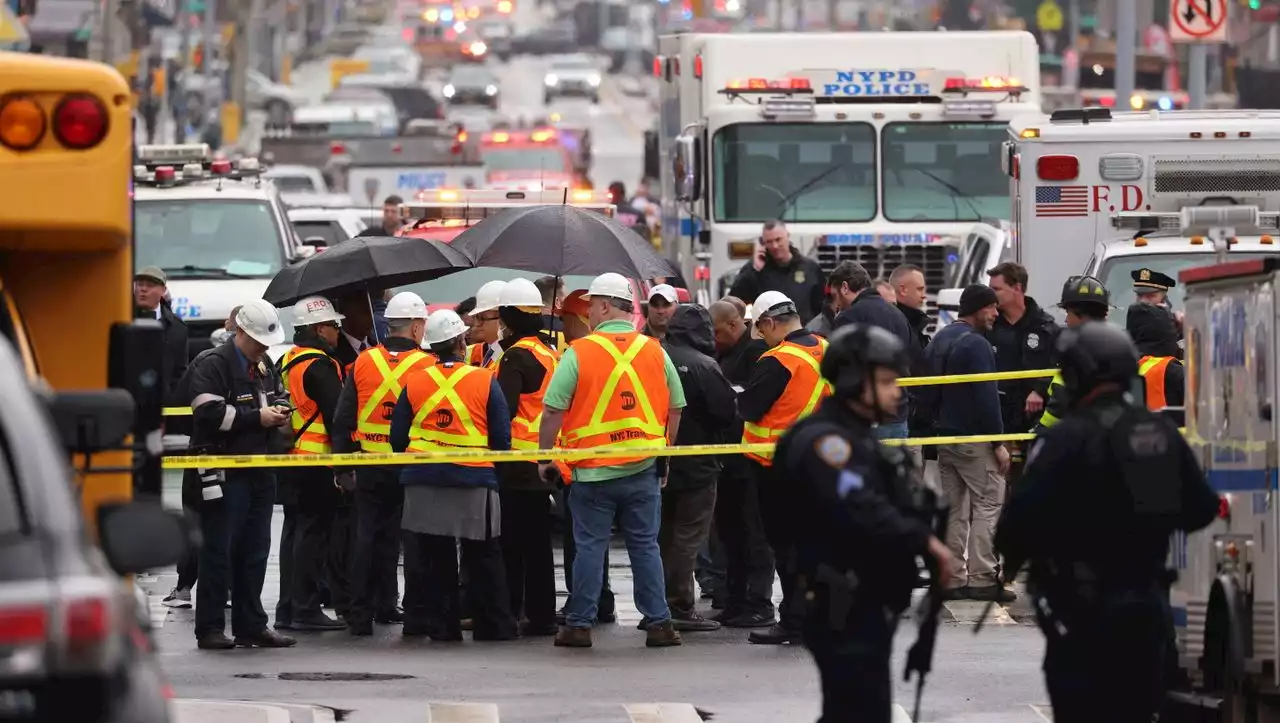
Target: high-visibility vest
{"type": "Point", "coordinates": [527, 419]}
{"type": "Point", "coordinates": [1152, 369]}
{"type": "Point", "coordinates": [804, 390]}
{"type": "Point", "coordinates": [380, 375]}
{"type": "Point", "coordinates": [1052, 406]}
{"type": "Point", "coordinates": [621, 399]}
{"type": "Point", "coordinates": [450, 403]}
{"type": "Point", "coordinates": [475, 357]}
{"type": "Point", "coordinates": [293, 366]}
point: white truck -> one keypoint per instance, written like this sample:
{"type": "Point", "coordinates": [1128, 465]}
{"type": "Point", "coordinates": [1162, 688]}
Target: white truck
{"type": "Point", "coordinates": [1104, 194]}
{"type": "Point", "coordinates": [878, 147]}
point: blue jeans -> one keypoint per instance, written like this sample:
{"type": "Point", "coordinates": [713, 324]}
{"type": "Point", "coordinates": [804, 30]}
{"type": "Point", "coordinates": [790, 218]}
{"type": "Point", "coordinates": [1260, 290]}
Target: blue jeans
{"type": "Point", "coordinates": [636, 502]}
{"type": "Point", "coordinates": [893, 430]}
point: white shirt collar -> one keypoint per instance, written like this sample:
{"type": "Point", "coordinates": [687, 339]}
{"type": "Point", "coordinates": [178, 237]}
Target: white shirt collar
{"type": "Point", "coordinates": [357, 344]}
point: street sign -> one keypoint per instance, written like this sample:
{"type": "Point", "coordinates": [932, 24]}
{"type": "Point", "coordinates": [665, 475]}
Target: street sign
{"type": "Point", "coordinates": [1049, 16]}
{"type": "Point", "coordinates": [1198, 21]}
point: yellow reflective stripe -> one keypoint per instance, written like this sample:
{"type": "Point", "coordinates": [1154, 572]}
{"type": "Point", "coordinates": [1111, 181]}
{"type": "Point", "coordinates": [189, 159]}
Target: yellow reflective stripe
{"type": "Point", "coordinates": [1147, 365]}
{"type": "Point", "coordinates": [299, 421]}
{"type": "Point", "coordinates": [759, 431]}
{"type": "Point", "coordinates": [446, 390]}
{"type": "Point", "coordinates": [537, 349]}
{"type": "Point", "coordinates": [383, 447]}
{"type": "Point", "coordinates": [313, 447]}
{"type": "Point", "coordinates": [390, 384]}
{"type": "Point", "coordinates": [622, 367]}
{"type": "Point", "coordinates": [524, 444]}
{"type": "Point", "coordinates": [296, 352]}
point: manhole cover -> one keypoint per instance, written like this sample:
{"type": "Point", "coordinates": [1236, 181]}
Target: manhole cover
{"type": "Point", "coordinates": [341, 677]}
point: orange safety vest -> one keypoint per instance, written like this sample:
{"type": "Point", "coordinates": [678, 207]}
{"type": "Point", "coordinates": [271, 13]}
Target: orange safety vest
{"type": "Point", "coordinates": [1152, 369]}
{"type": "Point", "coordinates": [450, 403]}
{"type": "Point", "coordinates": [378, 374]}
{"type": "Point", "coordinates": [475, 357]}
{"type": "Point", "coordinates": [804, 390]}
{"type": "Point", "coordinates": [622, 397]}
{"type": "Point", "coordinates": [527, 418]}
{"type": "Point", "coordinates": [293, 365]}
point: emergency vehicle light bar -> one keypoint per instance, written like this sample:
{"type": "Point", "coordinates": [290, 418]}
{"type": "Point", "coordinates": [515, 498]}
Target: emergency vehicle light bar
{"type": "Point", "coordinates": [1198, 218]}
{"type": "Point", "coordinates": [552, 196]}
{"type": "Point", "coordinates": [1229, 270]}
{"type": "Point", "coordinates": [162, 174]}
{"type": "Point", "coordinates": [175, 154]}
{"type": "Point", "coordinates": [989, 84]}
{"type": "Point", "coordinates": [741, 86]}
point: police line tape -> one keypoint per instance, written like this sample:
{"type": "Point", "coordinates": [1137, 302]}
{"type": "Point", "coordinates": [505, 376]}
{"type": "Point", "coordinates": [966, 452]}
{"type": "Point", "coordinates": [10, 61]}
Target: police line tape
{"type": "Point", "coordinates": [363, 459]}
{"type": "Point", "coordinates": [903, 382]}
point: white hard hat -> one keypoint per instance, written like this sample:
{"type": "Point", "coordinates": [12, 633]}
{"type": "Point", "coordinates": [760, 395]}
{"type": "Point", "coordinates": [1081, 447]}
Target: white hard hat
{"type": "Point", "coordinates": [489, 297]}
{"type": "Point", "coordinates": [770, 301]}
{"type": "Point", "coordinates": [614, 286]}
{"type": "Point", "coordinates": [520, 292]}
{"type": "Point", "coordinates": [751, 313]}
{"type": "Point", "coordinates": [260, 321]}
{"type": "Point", "coordinates": [406, 305]}
{"type": "Point", "coordinates": [314, 310]}
{"type": "Point", "coordinates": [445, 325]}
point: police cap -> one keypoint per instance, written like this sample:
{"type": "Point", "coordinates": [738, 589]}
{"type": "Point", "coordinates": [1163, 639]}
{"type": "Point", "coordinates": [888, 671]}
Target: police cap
{"type": "Point", "coordinates": [854, 351]}
{"type": "Point", "coordinates": [1084, 290]}
{"type": "Point", "coordinates": [1095, 353]}
{"type": "Point", "coordinates": [1145, 281]}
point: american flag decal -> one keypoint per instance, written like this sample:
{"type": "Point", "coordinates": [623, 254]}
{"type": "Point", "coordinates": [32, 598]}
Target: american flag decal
{"type": "Point", "coordinates": [1062, 201]}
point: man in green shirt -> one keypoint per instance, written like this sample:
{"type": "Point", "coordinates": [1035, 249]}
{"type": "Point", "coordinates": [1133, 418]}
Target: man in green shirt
{"type": "Point", "coordinates": [628, 491]}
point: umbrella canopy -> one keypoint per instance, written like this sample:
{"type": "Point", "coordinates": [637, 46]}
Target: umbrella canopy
{"type": "Point", "coordinates": [563, 241]}
{"type": "Point", "coordinates": [365, 262]}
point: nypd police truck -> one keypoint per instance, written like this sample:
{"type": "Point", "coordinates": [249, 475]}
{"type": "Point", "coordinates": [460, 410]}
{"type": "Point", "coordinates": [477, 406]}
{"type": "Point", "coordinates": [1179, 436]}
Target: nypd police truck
{"type": "Point", "coordinates": [883, 148]}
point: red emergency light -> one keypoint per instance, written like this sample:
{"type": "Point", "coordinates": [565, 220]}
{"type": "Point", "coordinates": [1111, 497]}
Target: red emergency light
{"type": "Point", "coordinates": [165, 173]}
{"type": "Point", "coordinates": [1226, 271]}
{"type": "Point", "coordinates": [337, 149]}
{"type": "Point", "coordinates": [1224, 508]}
{"type": "Point", "coordinates": [657, 66]}
{"type": "Point", "coordinates": [990, 83]}
{"type": "Point", "coordinates": [1058, 168]}
{"type": "Point", "coordinates": [220, 167]}
{"type": "Point", "coordinates": [741, 84]}
{"type": "Point", "coordinates": [697, 66]}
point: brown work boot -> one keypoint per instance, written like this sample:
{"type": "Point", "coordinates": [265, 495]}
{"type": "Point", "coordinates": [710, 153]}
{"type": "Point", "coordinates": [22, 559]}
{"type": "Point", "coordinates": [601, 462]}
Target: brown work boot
{"type": "Point", "coordinates": [573, 637]}
{"type": "Point", "coordinates": [662, 635]}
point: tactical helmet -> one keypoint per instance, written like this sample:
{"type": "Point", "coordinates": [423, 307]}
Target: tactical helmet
{"type": "Point", "coordinates": [1095, 353]}
{"type": "Point", "coordinates": [1084, 290]}
{"type": "Point", "coordinates": [854, 351]}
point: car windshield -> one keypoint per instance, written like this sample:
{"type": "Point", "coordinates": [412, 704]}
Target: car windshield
{"type": "Point", "coordinates": [471, 76]}
{"type": "Point", "coordinates": [295, 184]}
{"type": "Point", "coordinates": [202, 238]}
{"type": "Point", "coordinates": [455, 287]}
{"type": "Point", "coordinates": [1101, 77]}
{"type": "Point", "coordinates": [578, 65]}
{"type": "Point", "coordinates": [1117, 275]}
{"type": "Point", "coordinates": [330, 231]}
{"type": "Point", "coordinates": [498, 158]}
{"type": "Point", "coordinates": [944, 171]}
{"type": "Point", "coordinates": [811, 172]}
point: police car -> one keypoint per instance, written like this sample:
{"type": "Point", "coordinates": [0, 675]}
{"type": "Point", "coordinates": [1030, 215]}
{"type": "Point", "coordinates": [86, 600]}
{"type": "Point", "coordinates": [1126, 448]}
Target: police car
{"type": "Point", "coordinates": [216, 228]}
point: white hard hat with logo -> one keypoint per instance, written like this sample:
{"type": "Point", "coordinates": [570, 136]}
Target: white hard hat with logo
{"type": "Point", "coordinates": [260, 321]}
{"type": "Point", "coordinates": [406, 305]}
{"type": "Point", "coordinates": [521, 292]}
{"type": "Point", "coordinates": [445, 325]}
{"type": "Point", "coordinates": [614, 286]}
{"type": "Point", "coordinates": [489, 297]}
{"type": "Point", "coordinates": [314, 310]}
{"type": "Point", "coordinates": [772, 303]}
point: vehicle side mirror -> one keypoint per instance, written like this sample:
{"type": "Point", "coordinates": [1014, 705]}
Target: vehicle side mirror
{"type": "Point", "coordinates": [91, 422]}
{"type": "Point", "coordinates": [304, 252]}
{"type": "Point", "coordinates": [141, 536]}
{"type": "Point", "coordinates": [949, 299]}
{"type": "Point", "coordinates": [684, 166]}
{"type": "Point", "coordinates": [317, 242]}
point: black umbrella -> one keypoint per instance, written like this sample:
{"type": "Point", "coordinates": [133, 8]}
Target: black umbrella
{"type": "Point", "coordinates": [365, 262]}
{"type": "Point", "coordinates": [561, 240]}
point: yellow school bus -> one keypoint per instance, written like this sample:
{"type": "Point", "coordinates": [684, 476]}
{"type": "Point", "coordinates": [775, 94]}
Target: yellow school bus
{"type": "Point", "coordinates": [66, 268]}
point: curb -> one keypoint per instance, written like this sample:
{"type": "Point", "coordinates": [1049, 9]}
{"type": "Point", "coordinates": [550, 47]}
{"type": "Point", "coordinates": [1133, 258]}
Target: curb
{"type": "Point", "coordinates": [226, 711]}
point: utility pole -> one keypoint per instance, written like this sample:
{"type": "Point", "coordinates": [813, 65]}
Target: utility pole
{"type": "Point", "coordinates": [1126, 51]}
{"type": "Point", "coordinates": [110, 10]}
{"type": "Point", "coordinates": [1073, 24]}
{"type": "Point", "coordinates": [1198, 74]}
{"type": "Point", "coordinates": [239, 75]}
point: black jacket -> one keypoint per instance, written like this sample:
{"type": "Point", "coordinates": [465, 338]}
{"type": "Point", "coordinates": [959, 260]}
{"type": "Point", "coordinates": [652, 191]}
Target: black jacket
{"type": "Point", "coordinates": [312, 487]}
{"type": "Point", "coordinates": [918, 321]}
{"type": "Point", "coordinates": [738, 360]}
{"type": "Point", "coordinates": [1025, 345]}
{"type": "Point", "coordinates": [225, 401]}
{"type": "Point", "coordinates": [520, 372]}
{"type": "Point", "coordinates": [801, 280]}
{"type": "Point", "coordinates": [175, 347]}
{"type": "Point", "coordinates": [709, 416]}
{"type": "Point", "coordinates": [1155, 333]}
{"type": "Point", "coordinates": [871, 309]}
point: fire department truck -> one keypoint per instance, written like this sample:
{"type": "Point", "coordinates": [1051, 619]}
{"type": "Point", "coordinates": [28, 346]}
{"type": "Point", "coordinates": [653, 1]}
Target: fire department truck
{"type": "Point", "coordinates": [878, 147]}
{"type": "Point", "coordinates": [527, 160]}
{"type": "Point", "coordinates": [1108, 193]}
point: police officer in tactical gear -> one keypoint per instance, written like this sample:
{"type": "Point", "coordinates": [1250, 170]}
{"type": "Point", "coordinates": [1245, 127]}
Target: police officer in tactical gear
{"type": "Point", "coordinates": [1084, 298]}
{"type": "Point", "coordinates": [854, 518]}
{"type": "Point", "coordinates": [1101, 590]}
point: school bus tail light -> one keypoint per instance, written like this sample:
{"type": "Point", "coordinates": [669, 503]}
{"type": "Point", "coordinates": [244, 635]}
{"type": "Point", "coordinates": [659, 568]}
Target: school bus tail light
{"type": "Point", "coordinates": [1058, 168]}
{"type": "Point", "coordinates": [80, 121]}
{"type": "Point", "coordinates": [22, 123]}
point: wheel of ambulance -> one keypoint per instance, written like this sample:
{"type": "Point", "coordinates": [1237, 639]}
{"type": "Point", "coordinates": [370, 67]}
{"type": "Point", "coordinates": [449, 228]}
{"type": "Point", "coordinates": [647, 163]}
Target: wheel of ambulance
{"type": "Point", "coordinates": [1224, 675]}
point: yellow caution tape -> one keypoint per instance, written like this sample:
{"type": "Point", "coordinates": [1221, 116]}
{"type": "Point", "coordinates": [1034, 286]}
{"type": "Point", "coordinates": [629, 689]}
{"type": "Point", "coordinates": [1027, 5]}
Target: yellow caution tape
{"type": "Point", "coordinates": [904, 382]}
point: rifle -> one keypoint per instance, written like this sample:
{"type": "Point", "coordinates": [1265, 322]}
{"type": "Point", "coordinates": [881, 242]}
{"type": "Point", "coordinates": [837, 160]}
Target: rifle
{"type": "Point", "coordinates": [920, 657]}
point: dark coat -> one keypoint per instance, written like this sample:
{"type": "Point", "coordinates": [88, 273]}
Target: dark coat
{"type": "Point", "coordinates": [801, 280]}
{"type": "Point", "coordinates": [709, 416]}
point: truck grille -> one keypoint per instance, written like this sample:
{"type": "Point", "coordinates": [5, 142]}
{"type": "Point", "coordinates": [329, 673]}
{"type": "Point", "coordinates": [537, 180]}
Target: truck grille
{"type": "Point", "coordinates": [198, 336]}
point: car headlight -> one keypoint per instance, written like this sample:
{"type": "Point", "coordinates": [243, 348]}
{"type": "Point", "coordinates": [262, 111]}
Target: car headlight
{"type": "Point", "coordinates": [491, 90]}
{"type": "Point", "coordinates": [551, 80]}
{"type": "Point", "coordinates": [447, 91]}
{"type": "Point", "coordinates": [478, 48]}
{"type": "Point", "coordinates": [593, 79]}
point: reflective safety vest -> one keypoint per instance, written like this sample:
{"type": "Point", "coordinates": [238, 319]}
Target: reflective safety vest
{"type": "Point", "coordinates": [1056, 402]}
{"type": "Point", "coordinates": [622, 398]}
{"type": "Point", "coordinates": [450, 403]}
{"type": "Point", "coordinates": [527, 419]}
{"type": "Point", "coordinates": [309, 432]}
{"type": "Point", "coordinates": [379, 374]}
{"type": "Point", "coordinates": [1152, 369]}
{"type": "Point", "coordinates": [475, 357]}
{"type": "Point", "coordinates": [804, 390]}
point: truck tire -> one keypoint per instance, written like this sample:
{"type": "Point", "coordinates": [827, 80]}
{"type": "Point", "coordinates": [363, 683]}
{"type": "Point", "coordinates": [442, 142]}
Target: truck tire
{"type": "Point", "coordinates": [1225, 640]}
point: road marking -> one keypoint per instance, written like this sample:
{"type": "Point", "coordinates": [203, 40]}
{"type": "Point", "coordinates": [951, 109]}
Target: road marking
{"type": "Point", "coordinates": [900, 715]}
{"type": "Point", "coordinates": [462, 713]}
{"type": "Point", "coordinates": [1044, 711]}
{"type": "Point", "coordinates": [662, 713]}
{"type": "Point", "coordinates": [223, 711]}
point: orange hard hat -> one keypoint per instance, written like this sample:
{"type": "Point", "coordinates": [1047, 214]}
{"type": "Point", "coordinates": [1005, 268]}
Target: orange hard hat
{"type": "Point", "coordinates": [575, 304]}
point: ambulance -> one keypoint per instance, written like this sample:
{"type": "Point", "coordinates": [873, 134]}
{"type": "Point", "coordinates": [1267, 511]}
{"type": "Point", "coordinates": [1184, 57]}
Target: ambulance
{"type": "Point", "coordinates": [882, 148]}
{"type": "Point", "coordinates": [1227, 590]}
{"type": "Point", "coordinates": [1108, 194]}
{"type": "Point", "coordinates": [530, 160]}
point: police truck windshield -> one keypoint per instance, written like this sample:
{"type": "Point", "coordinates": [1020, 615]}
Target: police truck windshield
{"type": "Point", "coordinates": [200, 239]}
{"type": "Point", "coordinates": [1117, 275]}
{"type": "Point", "coordinates": [807, 172]}
{"type": "Point", "coordinates": [944, 171]}
{"type": "Point", "coordinates": [508, 158]}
